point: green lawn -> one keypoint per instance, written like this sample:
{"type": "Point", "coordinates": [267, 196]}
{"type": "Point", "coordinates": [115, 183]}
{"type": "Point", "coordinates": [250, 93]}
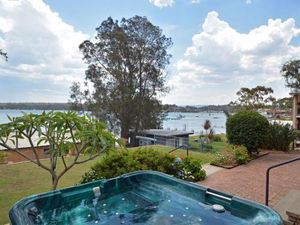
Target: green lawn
{"type": "Point", "coordinates": [20, 180]}
{"type": "Point", "coordinates": [23, 179]}
{"type": "Point", "coordinates": [217, 146]}
{"type": "Point", "coordinates": [195, 151]}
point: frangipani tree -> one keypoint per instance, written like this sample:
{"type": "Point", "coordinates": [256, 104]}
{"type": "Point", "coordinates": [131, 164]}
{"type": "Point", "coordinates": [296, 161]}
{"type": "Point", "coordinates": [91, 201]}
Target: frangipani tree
{"type": "Point", "coordinates": [63, 131]}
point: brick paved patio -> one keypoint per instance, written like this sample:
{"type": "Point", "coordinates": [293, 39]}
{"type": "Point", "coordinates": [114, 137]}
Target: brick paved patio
{"type": "Point", "coordinates": [248, 181]}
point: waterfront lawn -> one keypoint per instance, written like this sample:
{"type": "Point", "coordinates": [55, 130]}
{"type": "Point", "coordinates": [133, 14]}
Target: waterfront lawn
{"type": "Point", "coordinates": [20, 180]}
{"type": "Point", "coordinates": [216, 146]}
{"type": "Point", "coordinates": [204, 157]}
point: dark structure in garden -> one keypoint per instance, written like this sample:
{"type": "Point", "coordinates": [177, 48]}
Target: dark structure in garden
{"type": "Point", "coordinates": [172, 138]}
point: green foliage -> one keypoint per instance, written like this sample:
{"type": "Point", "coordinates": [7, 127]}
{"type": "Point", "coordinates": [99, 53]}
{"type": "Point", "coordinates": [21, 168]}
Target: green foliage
{"type": "Point", "coordinates": [217, 138]}
{"type": "Point", "coordinates": [126, 63]}
{"type": "Point", "coordinates": [241, 154]}
{"type": "Point", "coordinates": [119, 162]}
{"type": "Point", "coordinates": [190, 169]}
{"type": "Point", "coordinates": [124, 161]}
{"type": "Point", "coordinates": [291, 73]}
{"type": "Point", "coordinates": [247, 128]}
{"type": "Point", "coordinates": [232, 155]}
{"type": "Point", "coordinates": [280, 137]}
{"type": "Point", "coordinates": [284, 103]}
{"type": "Point", "coordinates": [3, 156]}
{"type": "Point", "coordinates": [78, 98]}
{"type": "Point", "coordinates": [253, 98]}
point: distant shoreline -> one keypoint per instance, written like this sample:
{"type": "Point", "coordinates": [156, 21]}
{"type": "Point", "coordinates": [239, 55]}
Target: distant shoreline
{"type": "Point", "coordinates": [34, 106]}
{"type": "Point", "coordinates": [67, 106]}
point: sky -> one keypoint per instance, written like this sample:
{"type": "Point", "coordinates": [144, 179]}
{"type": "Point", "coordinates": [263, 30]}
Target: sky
{"type": "Point", "coordinates": [218, 47]}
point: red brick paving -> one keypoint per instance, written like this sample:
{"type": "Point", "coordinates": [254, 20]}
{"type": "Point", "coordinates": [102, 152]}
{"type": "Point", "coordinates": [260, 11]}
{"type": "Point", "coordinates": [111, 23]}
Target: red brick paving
{"type": "Point", "coordinates": [248, 181]}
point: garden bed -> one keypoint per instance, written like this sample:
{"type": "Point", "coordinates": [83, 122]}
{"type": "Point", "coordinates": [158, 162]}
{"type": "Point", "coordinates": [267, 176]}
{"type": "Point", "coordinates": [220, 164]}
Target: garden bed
{"type": "Point", "coordinates": [252, 157]}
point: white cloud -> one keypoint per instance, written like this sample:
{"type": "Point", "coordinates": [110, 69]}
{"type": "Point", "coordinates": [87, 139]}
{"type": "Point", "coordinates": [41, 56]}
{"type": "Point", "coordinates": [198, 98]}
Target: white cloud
{"type": "Point", "coordinates": [195, 1]}
{"type": "Point", "coordinates": [40, 45]}
{"type": "Point", "coordinates": [162, 3]}
{"type": "Point", "coordinates": [248, 2]}
{"type": "Point", "coordinates": [221, 60]}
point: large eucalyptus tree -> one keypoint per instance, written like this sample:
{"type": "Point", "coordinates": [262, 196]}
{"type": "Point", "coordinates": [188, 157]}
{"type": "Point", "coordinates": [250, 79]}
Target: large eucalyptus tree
{"type": "Point", "coordinates": [126, 65]}
{"type": "Point", "coordinates": [291, 73]}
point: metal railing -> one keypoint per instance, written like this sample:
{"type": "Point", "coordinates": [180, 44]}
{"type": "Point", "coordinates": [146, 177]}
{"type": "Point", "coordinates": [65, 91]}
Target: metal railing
{"type": "Point", "coordinates": [181, 147]}
{"type": "Point", "coordinates": [268, 176]}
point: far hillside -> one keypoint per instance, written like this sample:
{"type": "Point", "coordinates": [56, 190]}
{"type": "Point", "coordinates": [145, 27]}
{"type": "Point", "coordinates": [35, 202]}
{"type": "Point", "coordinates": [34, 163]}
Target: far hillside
{"type": "Point", "coordinates": [67, 106]}
{"type": "Point", "coordinates": [35, 106]}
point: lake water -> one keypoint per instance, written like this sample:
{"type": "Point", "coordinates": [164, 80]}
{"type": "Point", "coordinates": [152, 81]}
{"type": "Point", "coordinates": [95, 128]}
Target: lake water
{"type": "Point", "coordinates": [194, 121]}
{"type": "Point", "coordinates": [174, 120]}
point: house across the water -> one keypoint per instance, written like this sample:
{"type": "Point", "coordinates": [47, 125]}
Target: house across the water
{"type": "Point", "coordinates": [174, 138]}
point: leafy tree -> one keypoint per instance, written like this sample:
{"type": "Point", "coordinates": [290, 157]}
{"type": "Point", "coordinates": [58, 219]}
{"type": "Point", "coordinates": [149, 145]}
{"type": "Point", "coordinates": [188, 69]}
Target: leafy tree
{"type": "Point", "coordinates": [291, 73]}
{"type": "Point", "coordinates": [126, 64]}
{"type": "Point", "coordinates": [63, 131]}
{"type": "Point", "coordinates": [253, 98]}
{"type": "Point", "coordinates": [284, 103]}
{"type": "Point", "coordinates": [4, 54]}
{"type": "Point", "coordinates": [79, 98]}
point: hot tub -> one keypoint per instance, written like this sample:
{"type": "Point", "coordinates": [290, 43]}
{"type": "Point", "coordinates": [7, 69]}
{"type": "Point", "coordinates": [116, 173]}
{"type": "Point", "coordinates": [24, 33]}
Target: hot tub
{"type": "Point", "coordinates": [143, 197]}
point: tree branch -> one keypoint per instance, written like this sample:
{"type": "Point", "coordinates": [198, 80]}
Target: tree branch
{"type": "Point", "coordinates": [73, 138]}
{"type": "Point", "coordinates": [88, 159]}
{"type": "Point", "coordinates": [64, 162]}
{"type": "Point", "coordinates": [18, 152]}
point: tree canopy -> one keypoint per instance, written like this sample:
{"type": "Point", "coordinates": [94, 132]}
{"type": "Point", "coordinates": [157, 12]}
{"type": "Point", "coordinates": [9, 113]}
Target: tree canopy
{"type": "Point", "coordinates": [63, 132]}
{"type": "Point", "coordinates": [291, 73]}
{"type": "Point", "coordinates": [254, 98]}
{"type": "Point", "coordinates": [78, 101]}
{"type": "Point", "coordinates": [284, 103]}
{"type": "Point", "coordinates": [126, 65]}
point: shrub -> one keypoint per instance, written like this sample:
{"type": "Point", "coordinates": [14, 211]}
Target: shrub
{"type": "Point", "coordinates": [241, 154]}
{"type": "Point", "coordinates": [217, 138]}
{"type": "Point", "coordinates": [119, 162]}
{"type": "Point", "coordinates": [247, 128]}
{"type": "Point", "coordinates": [190, 169]}
{"type": "Point", "coordinates": [211, 134]}
{"type": "Point", "coordinates": [232, 155]}
{"type": "Point", "coordinates": [280, 137]}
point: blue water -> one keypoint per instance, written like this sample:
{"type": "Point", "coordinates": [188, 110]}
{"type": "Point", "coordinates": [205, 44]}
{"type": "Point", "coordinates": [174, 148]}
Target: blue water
{"type": "Point", "coordinates": [194, 121]}
{"type": "Point", "coordinates": [180, 121]}
{"type": "Point", "coordinates": [14, 113]}
{"type": "Point", "coordinates": [147, 204]}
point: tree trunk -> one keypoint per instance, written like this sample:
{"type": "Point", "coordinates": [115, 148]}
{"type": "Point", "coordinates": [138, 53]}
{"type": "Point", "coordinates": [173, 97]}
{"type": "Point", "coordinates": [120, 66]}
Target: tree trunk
{"type": "Point", "coordinates": [124, 131]}
{"type": "Point", "coordinates": [54, 182]}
